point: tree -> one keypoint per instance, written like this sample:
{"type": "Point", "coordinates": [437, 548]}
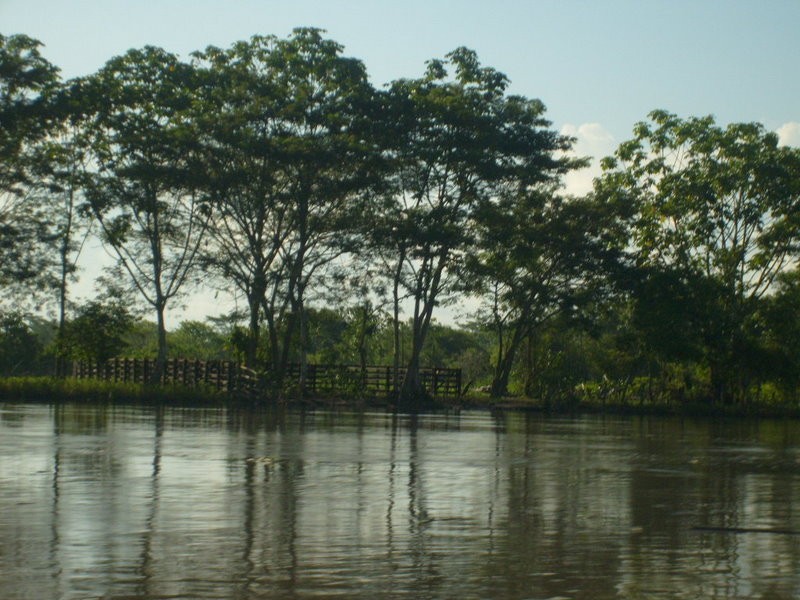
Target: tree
{"type": "Point", "coordinates": [195, 339]}
{"type": "Point", "coordinates": [455, 144]}
{"type": "Point", "coordinates": [285, 140]}
{"type": "Point", "coordinates": [238, 113]}
{"type": "Point", "coordinates": [19, 346]}
{"type": "Point", "coordinates": [26, 80]}
{"type": "Point", "coordinates": [144, 193]}
{"type": "Point", "coordinates": [541, 256]}
{"type": "Point", "coordinates": [61, 170]}
{"type": "Point", "coordinates": [781, 317]}
{"type": "Point", "coordinates": [720, 207]}
{"type": "Point", "coordinates": [363, 321]}
{"type": "Point", "coordinates": [97, 332]}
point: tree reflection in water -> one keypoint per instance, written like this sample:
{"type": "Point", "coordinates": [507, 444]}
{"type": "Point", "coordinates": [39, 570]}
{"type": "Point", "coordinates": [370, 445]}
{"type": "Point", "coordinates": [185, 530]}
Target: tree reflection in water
{"type": "Point", "coordinates": [103, 502]}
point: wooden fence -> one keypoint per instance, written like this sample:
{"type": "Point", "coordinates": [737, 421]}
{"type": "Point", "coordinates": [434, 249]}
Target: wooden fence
{"type": "Point", "coordinates": [218, 374]}
{"type": "Point", "coordinates": [235, 378]}
{"type": "Point", "coordinates": [374, 380]}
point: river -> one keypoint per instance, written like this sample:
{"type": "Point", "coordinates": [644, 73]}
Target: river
{"type": "Point", "coordinates": [123, 502]}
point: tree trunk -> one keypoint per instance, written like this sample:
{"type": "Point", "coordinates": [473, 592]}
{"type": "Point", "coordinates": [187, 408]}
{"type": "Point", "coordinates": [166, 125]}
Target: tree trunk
{"type": "Point", "coordinates": [396, 326]}
{"type": "Point", "coordinates": [502, 374]}
{"type": "Point", "coordinates": [505, 363]}
{"type": "Point", "coordinates": [255, 297]}
{"type": "Point", "coordinates": [362, 345]}
{"type": "Point", "coordinates": [275, 354]}
{"type": "Point", "coordinates": [161, 359]}
{"type": "Point", "coordinates": [62, 284]}
{"type": "Point", "coordinates": [62, 318]}
{"type": "Point", "coordinates": [530, 372]}
{"type": "Point", "coordinates": [303, 319]}
{"type": "Point", "coordinates": [412, 395]}
{"type": "Point", "coordinates": [396, 353]}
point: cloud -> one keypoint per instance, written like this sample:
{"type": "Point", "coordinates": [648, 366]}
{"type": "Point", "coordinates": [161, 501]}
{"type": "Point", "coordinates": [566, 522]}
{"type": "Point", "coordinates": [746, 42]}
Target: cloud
{"type": "Point", "coordinates": [591, 140]}
{"type": "Point", "coordinates": [789, 134]}
{"type": "Point", "coordinates": [590, 133]}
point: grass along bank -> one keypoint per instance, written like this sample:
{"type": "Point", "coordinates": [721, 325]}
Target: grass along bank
{"type": "Point", "coordinates": [54, 389]}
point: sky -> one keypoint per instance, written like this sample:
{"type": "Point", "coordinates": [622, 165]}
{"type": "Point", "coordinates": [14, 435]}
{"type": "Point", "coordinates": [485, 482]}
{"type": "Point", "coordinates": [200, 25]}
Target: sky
{"type": "Point", "coordinates": [599, 66]}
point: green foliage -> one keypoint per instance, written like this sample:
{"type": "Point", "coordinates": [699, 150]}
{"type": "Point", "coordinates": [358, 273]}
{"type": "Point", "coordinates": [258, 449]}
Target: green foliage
{"type": "Point", "coordinates": [191, 339]}
{"type": "Point", "coordinates": [195, 339]}
{"type": "Point", "coordinates": [26, 81]}
{"type": "Point", "coordinates": [456, 142]}
{"type": "Point", "coordinates": [277, 163]}
{"type": "Point", "coordinates": [781, 323]}
{"type": "Point", "coordinates": [670, 312]}
{"type": "Point", "coordinates": [327, 333]}
{"type": "Point", "coordinates": [143, 192]}
{"type": "Point", "coordinates": [540, 257]}
{"type": "Point", "coordinates": [52, 389]}
{"type": "Point", "coordinates": [20, 349]}
{"type": "Point", "coordinates": [715, 220]}
{"type": "Point", "coordinates": [285, 126]}
{"type": "Point", "coordinates": [97, 332]}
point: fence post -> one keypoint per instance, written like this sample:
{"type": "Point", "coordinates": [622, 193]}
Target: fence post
{"type": "Point", "coordinates": [311, 378]}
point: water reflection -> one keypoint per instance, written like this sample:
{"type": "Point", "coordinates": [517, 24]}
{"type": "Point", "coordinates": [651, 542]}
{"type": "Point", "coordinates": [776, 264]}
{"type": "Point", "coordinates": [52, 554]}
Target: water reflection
{"type": "Point", "coordinates": [189, 503]}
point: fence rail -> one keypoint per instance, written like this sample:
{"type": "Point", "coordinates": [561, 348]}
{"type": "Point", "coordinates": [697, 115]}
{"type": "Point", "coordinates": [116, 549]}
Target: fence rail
{"type": "Point", "coordinates": [233, 377]}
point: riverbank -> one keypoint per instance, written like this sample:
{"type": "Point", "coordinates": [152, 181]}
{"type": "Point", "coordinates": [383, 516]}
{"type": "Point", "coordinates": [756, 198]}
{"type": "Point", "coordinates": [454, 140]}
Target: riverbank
{"type": "Point", "coordinates": [52, 389]}
{"type": "Point", "coordinates": [694, 409]}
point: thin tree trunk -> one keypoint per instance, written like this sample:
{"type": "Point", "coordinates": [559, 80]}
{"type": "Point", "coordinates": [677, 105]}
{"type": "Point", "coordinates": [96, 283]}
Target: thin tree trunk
{"type": "Point", "coordinates": [254, 299]}
{"type": "Point", "coordinates": [396, 328]}
{"type": "Point", "coordinates": [505, 363]}
{"type": "Point", "coordinates": [303, 319]}
{"type": "Point", "coordinates": [161, 359]}
{"type": "Point", "coordinates": [62, 316]}
{"type": "Point", "coordinates": [276, 369]}
{"type": "Point", "coordinates": [362, 344]}
{"type": "Point", "coordinates": [412, 393]}
{"type": "Point", "coordinates": [253, 334]}
{"type": "Point", "coordinates": [62, 288]}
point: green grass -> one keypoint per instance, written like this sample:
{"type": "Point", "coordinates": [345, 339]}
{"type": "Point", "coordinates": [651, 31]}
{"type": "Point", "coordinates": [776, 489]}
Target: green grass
{"type": "Point", "coordinates": [93, 391]}
{"type": "Point", "coordinates": [53, 389]}
{"type": "Point", "coordinates": [696, 408]}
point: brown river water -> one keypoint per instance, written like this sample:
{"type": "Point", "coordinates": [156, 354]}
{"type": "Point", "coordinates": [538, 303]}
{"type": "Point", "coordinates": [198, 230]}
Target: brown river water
{"type": "Point", "coordinates": [121, 503]}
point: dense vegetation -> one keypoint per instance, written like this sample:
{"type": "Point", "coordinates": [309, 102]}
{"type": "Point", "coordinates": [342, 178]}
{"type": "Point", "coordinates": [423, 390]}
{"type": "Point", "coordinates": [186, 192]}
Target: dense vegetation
{"type": "Point", "coordinates": [346, 216]}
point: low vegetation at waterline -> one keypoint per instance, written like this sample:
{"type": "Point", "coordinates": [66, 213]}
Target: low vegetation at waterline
{"type": "Point", "coordinates": [274, 168]}
{"type": "Point", "coordinates": [59, 389]}
{"type": "Point", "coordinates": [54, 390]}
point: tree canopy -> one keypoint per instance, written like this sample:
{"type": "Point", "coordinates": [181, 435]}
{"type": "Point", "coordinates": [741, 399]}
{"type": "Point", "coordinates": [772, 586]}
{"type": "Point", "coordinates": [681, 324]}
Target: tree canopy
{"type": "Point", "coordinates": [345, 217]}
{"type": "Point", "coordinates": [720, 209]}
{"type": "Point", "coordinates": [26, 81]}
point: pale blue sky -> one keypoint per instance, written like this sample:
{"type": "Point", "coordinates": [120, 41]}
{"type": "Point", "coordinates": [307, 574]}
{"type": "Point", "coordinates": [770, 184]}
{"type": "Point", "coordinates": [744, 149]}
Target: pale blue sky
{"type": "Point", "coordinates": [606, 62]}
{"type": "Point", "coordinates": [599, 66]}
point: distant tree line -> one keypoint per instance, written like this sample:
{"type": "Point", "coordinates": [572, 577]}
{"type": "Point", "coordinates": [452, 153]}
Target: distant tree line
{"type": "Point", "coordinates": [276, 169]}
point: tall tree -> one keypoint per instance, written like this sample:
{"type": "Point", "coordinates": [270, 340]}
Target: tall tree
{"type": "Point", "coordinates": [540, 256]}
{"type": "Point", "coordinates": [238, 115]}
{"type": "Point", "coordinates": [720, 207]}
{"type": "Point", "coordinates": [19, 347]}
{"type": "Point", "coordinates": [26, 80]}
{"type": "Point", "coordinates": [143, 193]}
{"type": "Point", "coordinates": [456, 142]}
{"type": "Point", "coordinates": [97, 332]}
{"type": "Point", "coordinates": [781, 316]}
{"type": "Point", "coordinates": [286, 140]}
{"type": "Point", "coordinates": [61, 172]}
